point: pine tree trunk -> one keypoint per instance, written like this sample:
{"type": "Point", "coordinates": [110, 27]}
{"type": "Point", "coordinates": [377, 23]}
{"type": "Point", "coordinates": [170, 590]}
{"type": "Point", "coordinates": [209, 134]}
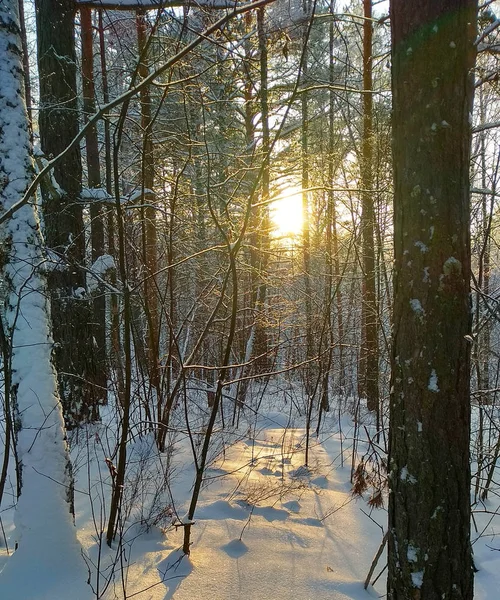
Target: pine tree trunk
{"type": "Point", "coordinates": [368, 368]}
{"type": "Point", "coordinates": [429, 503]}
{"type": "Point", "coordinates": [306, 225]}
{"type": "Point", "coordinates": [96, 218]}
{"type": "Point", "coordinates": [62, 211]}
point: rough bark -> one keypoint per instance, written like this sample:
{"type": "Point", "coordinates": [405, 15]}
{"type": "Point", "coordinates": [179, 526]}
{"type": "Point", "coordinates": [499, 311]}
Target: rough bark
{"type": "Point", "coordinates": [429, 502]}
{"type": "Point", "coordinates": [62, 211]}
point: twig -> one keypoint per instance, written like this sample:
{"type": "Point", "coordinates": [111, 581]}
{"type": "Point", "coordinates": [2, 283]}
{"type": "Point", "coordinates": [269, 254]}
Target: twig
{"type": "Point", "coordinates": [376, 559]}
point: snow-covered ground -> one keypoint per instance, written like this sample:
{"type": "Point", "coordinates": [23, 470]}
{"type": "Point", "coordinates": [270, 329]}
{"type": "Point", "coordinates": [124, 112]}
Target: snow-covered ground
{"type": "Point", "coordinates": [266, 527]}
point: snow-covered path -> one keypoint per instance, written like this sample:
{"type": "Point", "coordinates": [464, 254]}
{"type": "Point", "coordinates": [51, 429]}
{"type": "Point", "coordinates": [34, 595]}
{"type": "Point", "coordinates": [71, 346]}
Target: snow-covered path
{"type": "Point", "coordinates": [269, 530]}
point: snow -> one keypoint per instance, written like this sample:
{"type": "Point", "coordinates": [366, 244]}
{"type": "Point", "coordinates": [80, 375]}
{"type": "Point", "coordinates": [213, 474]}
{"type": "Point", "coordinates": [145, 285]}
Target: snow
{"type": "Point", "coordinates": [416, 306]}
{"type": "Point", "coordinates": [406, 476]}
{"type": "Point", "coordinates": [47, 562]}
{"type": "Point", "coordinates": [433, 382]}
{"type": "Point", "coordinates": [452, 266]}
{"type": "Point", "coordinates": [80, 293]}
{"type": "Point", "coordinates": [140, 193]}
{"type": "Point", "coordinates": [417, 579]}
{"type": "Point", "coordinates": [422, 247]}
{"type": "Point", "coordinates": [96, 194]}
{"type": "Point", "coordinates": [103, 265]}
{"type": "Point", "coordinates": [265, 527]}
{"type": "Point", "coordinates": [411, 553]}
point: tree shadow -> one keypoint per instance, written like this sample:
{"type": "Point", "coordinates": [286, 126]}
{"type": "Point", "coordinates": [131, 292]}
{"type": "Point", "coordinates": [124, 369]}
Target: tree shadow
{"type": "Point", "coordinates": [173, 570]}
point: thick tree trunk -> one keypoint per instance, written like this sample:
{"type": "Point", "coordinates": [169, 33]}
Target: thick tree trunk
{"type": "Point", "coordinates": [429, 502]}
{"type": "Point", "coordinates": [62, 211]}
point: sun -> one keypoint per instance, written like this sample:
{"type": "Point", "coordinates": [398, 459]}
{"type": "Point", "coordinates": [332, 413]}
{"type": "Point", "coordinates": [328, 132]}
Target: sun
{"type": "Point", "coordinates": [286, 213]}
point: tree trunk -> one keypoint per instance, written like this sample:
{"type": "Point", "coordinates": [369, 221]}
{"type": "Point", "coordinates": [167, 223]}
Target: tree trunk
{"type": "Point", "coordinates": [261, 344]}
{"type": "Point", "coordinates": [148, 211]}
{"type": "Point", "coordinates": [62, 211]}
{"type": "Point", "coordinates": [96, 220]}
{"type": "Point", "coordinates": [47, 485]}
{"type": "Point", "coordinates": [26, 67]}
{"type": "Point", "coordinates": [368, 368]}
{"type": "Point", "coordinates": [116, 349]}
{"type": "Point", "coordinates": [306, 225]}
{"type": "Point", "coordinates": [429, 502]}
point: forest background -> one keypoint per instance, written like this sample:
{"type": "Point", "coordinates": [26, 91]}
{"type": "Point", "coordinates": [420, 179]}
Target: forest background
{"type": "Point", "coordinates": [212, 241]}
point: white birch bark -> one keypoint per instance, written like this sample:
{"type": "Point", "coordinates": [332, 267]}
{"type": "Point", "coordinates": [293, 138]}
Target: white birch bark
{"type": "Point", "coordinates": [47, 562]}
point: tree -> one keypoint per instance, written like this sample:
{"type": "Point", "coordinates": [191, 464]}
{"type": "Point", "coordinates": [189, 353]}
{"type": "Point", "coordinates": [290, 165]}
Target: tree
{"type": "Point", "coordinates": [96, 217]}
{"type": "Point", "coordinates": [44, 470]}
{"type": "Point", "coordinates": [368, 367]}
{"type": "Point", "coordinates": [62, 209]}
{"type": "Point", "coordinates": [429, 504]}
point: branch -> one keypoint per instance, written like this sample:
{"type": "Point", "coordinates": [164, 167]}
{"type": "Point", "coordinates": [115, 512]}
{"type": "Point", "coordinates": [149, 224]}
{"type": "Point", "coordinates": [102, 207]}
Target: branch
{"type": "Point", "coordinates": [487, 31]}
{"type": "Point", "coordinates": [127, 96]}
{"type": "Point", "coordinates": [479, 128]}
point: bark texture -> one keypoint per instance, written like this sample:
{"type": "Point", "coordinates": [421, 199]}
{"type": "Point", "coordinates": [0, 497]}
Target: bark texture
{"type": "Point", "coordinates": [62, 210]}
{"type": "Point", "coordinates": [429, 504]}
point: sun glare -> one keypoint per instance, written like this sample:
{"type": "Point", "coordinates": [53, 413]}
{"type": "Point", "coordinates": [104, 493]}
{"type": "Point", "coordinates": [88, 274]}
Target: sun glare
{"type": "Point", "coordinates": [286, 213]}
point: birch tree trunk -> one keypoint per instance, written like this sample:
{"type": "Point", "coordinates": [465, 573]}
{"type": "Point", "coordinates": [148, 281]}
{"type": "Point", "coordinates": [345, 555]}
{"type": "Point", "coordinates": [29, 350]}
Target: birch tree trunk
{"type": "Point", "coordinates": [43, 514]}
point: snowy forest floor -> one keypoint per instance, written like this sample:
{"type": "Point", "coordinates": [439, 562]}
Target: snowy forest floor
{"type": "Point", "coordinates": [266, 527]}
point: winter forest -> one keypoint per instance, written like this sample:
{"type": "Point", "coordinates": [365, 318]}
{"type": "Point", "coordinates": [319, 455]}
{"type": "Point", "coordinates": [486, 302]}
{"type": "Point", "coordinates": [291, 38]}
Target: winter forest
{"type": "Point", "coordinates": [250, 299]}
